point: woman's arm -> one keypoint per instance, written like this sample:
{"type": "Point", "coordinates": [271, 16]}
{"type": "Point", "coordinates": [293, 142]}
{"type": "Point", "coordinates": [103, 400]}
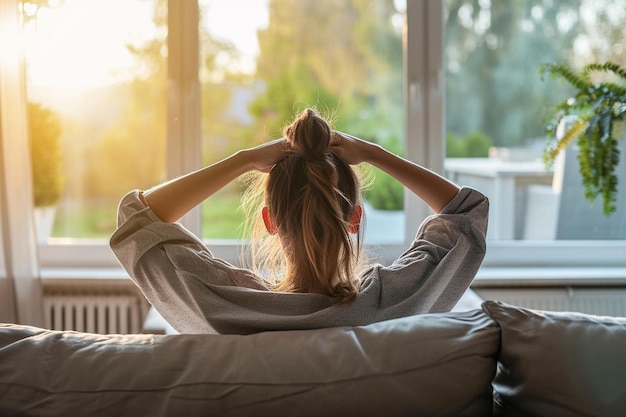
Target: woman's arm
{"type": "Point", "coordinates": [435, 190]}
{"type": "Point", "coordinates": [172, 199]}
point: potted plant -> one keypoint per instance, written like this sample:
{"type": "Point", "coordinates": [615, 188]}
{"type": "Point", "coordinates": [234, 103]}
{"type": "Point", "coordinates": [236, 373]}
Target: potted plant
{"type": "Point", "coordinates": [599, 109]}
{"type": "Point", "coordinates": [44, 130]}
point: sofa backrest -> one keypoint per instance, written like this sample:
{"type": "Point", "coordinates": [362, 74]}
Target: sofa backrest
{"type": "Point", "coordinates": [558, 364]}
{"type": "Point", "coordinates": [432, 364]}
{"type": "Point", "coordinates": [548, 364]}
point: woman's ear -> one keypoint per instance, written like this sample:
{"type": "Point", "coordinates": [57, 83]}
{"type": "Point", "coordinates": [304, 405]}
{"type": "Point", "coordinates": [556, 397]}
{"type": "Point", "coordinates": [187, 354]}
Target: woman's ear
{"type": "Point", "coordinates": [355, 220]}
{"type": "Point", "coordinates": [268, 221]}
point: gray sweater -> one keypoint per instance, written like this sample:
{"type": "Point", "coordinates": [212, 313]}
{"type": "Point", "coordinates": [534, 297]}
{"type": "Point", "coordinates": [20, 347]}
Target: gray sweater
{"type": "Point", "coordinates": [198, 293]}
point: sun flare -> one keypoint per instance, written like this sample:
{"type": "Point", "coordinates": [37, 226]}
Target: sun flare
{"type": "Point", "coordinates": [83, 43]}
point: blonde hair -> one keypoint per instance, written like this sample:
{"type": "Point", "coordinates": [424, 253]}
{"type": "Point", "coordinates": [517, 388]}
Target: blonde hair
{"type": "Point", "coordinates": [311, 196]}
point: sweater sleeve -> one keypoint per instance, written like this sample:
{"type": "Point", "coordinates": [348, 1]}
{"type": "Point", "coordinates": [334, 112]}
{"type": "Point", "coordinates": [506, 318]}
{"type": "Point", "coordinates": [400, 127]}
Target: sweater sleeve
{"type": "Point", "coordinates": [438, 267]}
{"type": "Point", "coordinates": [174, 269]}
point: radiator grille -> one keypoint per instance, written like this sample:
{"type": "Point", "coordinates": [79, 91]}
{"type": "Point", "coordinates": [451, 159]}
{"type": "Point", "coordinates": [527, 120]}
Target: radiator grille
{"type": "Point", "coordinates": [121, 314]}
{"type": "Point", "coordinates": [602, 302]}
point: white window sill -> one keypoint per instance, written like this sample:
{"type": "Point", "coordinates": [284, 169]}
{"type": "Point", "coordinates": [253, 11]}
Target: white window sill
{"type": "Point", "coordinates": [550, 276]}
{"type": "Point", "coordinates": [486, 276]}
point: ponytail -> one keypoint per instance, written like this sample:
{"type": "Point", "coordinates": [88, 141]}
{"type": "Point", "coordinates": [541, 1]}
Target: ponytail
{"type": "Point", "coordinates": [312, 196]}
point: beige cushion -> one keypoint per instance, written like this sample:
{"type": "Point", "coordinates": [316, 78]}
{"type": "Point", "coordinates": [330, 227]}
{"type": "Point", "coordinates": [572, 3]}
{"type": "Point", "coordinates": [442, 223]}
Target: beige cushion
{"type": "Point", "coordinates": [434, 364]}
{"type": "Point", "coordinates": [559, 364]}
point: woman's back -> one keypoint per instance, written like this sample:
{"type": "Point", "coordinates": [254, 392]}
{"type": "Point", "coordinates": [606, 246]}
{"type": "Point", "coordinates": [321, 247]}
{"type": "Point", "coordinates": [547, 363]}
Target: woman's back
{"type": "Point", "coordinates": [311, 207]}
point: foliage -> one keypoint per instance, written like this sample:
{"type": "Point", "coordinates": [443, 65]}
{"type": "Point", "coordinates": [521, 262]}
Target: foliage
{"type": "Point", "coordinates": [491, 65]}
{"type": "Point", "coordinates": [343, 57]}
{"type": "Point", "coordinates": [222, 217]}
{"type": "Point", "coordinates": [386, 193]}
{"type": "Point", "coordinates": [131, 153]}
{"type": "Point", "coordinates": [44, 130]}
{"type": "Point", "coordinates": [472, 145]}
{"type": "Point", "coordinates": [493, 49]}
{"type": "Point", "coordinates": [31, 8]}
{"type": "Point", "coordinates": [383, 192]}
{"type": "Point", "coordinates": [477, 145]}
{"type": "Point", "coordinates": [336, 56]}
{"type": "Point", "coordinates": [600, 109]}
{"type": "Point", "coordinates": [291, 91]}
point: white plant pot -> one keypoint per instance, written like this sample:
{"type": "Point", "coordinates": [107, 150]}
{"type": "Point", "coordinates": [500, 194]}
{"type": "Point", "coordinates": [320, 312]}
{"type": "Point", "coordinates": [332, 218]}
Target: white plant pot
{"type": "Point", "coordinates": [44, 222]}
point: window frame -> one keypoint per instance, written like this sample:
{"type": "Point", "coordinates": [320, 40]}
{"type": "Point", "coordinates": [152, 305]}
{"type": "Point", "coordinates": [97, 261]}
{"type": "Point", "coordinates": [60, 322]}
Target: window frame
{"type": "Point", "coordinates": [423, 42]}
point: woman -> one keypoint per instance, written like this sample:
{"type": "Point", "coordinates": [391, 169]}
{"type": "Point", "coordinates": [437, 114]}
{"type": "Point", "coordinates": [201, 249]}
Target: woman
{"type": "Point", "coordinates": [312, 213]}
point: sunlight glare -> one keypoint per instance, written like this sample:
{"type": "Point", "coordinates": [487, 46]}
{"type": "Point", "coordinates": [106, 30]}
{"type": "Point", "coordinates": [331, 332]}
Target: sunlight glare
{"type": "Point", "coordinates": [237, 21]}
{"type": "Point", "coordinates": [83, 43]}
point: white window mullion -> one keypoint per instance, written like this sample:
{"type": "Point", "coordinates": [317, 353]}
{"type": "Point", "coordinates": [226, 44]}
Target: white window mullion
{"type": "Point", "coordinates": [423, 52]}
{"type": "Point", "coordinates": [183, 109]}
{"type": "Point", "coordinates": [435, 87]}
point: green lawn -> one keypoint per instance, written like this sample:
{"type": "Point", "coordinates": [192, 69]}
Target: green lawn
{"type": "Point", "coordinates": [85, 220]}
{"type": "Point", "coordinates": [221, 219]}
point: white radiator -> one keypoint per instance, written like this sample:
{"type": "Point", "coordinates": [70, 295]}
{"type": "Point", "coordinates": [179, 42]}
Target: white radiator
{"type": "Point", "coordinates": [598, 301]}
{"type": "Point", "coordinates": [120, 314]}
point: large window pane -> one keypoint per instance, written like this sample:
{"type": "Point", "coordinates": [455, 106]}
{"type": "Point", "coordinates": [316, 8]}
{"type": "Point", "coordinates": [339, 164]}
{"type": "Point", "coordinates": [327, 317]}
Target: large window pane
{"type": "Point", "coordinates": [497, 108]}
{"type": "Point", "coordinates": [96, 82]}
{"type": "Point", "coordinates": [261, 67]}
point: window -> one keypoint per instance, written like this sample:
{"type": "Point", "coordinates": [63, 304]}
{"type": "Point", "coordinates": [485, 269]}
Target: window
{"type": "Point", "coordinates": [498, 107]}
{"type": "Point", "coordinates": [259, 68]}
{"type": "Point", "coordinates": [409, 77]}
{"type": "Point", "coordinates": [96, 85]}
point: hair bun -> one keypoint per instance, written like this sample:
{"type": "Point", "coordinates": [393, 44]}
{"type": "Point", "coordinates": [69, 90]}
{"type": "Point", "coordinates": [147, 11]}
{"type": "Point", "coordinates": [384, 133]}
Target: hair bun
{"type": "Point", "coordinates": [309, 134]}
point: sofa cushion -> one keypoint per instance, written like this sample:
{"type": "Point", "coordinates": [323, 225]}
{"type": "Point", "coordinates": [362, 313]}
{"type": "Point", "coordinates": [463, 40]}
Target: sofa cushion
{"type": "Point", "coordinates": [559, 364]}
{"type": "Point", "coordinates": [433, 364]}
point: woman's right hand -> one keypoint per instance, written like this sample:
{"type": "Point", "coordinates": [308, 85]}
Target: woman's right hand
{"type": "Point", "coordinates": [351, 149]}
{"type": "Point", "coordinates": [431, 187]}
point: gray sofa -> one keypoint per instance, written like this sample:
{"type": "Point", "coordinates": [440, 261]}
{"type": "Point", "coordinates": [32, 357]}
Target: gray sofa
{"type": "Point", "coordinates": [498, 360]}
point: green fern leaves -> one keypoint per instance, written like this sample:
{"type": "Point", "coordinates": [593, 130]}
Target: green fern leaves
{"type": "Point", "coordinates": [600, 109]}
